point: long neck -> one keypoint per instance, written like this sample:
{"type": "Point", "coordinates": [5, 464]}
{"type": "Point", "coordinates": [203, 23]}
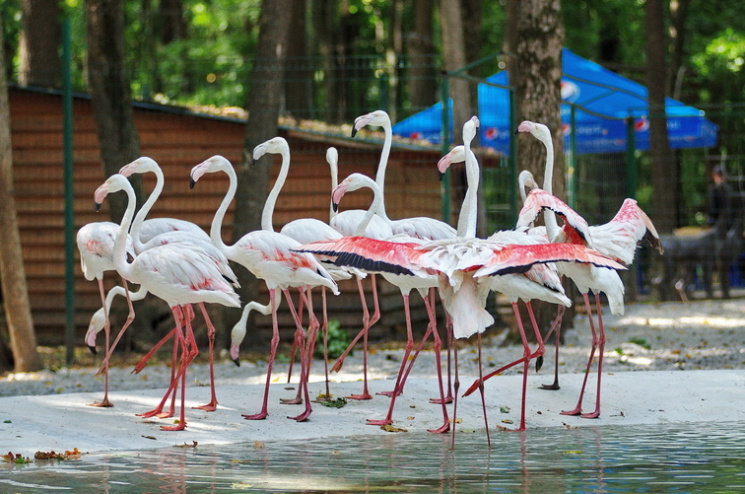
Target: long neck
{"type": "Point", "coordinates": [334, 183]}
{"type": "Point", "coordinates": [549, 218]}
{"type": "Point", "coordinates": [382, 165]}
{"type": "Point", "coordinates": [271, 200]}
{"type": "Point", "coordinates": [216, 228]}
{"type": "Point", "coordinates": [469, 211]}
{"type": "Point", "coordinates": [145, 210]}
{"type": "Point", "coordinates": [120, 243]}
{"type": "Point", "coordinates": [375, 208]}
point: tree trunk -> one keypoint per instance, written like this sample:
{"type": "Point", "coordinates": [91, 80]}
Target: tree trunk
{"type": "Point", "coordinates": [535, 72]}
{"type": "Point", "coordinates": [454, 58]}
{"type": "Point", "coordinates": [420, 43]}
{"type": "Point", "coordinates": [111, 95]}
{"type": "Point", "coordinates": [298, 90]}
{"type": "Point", "coordinates": [264, 104]}
{"type": "Point", "coordinates": [40, 63]}
{"type": "Point", "coordinates": [665, 185]}
{"type": "Point", "coordinates": [12, 274]}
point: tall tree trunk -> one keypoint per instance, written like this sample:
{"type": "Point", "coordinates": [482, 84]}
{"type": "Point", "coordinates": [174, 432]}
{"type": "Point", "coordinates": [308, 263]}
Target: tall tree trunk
{"type": "Point", "coordinates": [420, 43]}
{"type": "Point", "coordinates": [264, 104]}
{"type": "Point", "coordinates": [298, 90]}
{"type": "Point", "coordinates": [665, 185]}
{"type": "Point", "coordinates": [111, 95]}
{"type": "Point", "coordinates": [535, 72]}
{"type": "Point", "coordinates": [12, 274]}
{"type": "Point", "coordinates": [454, 58]}
{"type": "Point", "coordinates": [39, 45]}
{"type": "Point", "coordinates": [678, 33]}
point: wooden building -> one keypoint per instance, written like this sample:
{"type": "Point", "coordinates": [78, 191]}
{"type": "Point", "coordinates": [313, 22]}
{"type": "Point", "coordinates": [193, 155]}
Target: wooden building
{"type": "Point", "coordinates": [178, 139]}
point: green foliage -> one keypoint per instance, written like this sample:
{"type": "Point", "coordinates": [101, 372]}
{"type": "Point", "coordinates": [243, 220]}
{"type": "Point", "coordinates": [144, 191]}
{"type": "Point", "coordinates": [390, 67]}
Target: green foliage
{"type": "Point", "coordinates": [338, 341]}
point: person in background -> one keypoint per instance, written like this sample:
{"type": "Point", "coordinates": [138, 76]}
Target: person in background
{"type": "Point", "coordinates": [719, 201]}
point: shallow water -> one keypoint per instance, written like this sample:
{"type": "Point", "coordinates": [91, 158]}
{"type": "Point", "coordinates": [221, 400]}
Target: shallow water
{"type": "Point", "coordinates": [680, 458]}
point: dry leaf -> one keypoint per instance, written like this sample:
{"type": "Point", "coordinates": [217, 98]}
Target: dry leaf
{"type": "Point", "coordinates": [390, 428]}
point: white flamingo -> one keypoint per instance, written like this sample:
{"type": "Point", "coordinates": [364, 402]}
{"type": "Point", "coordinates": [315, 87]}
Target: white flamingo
{"type": "Point", "coordinates": [180, 276]}
{"type": "Point", "coordinates": [268, 256]}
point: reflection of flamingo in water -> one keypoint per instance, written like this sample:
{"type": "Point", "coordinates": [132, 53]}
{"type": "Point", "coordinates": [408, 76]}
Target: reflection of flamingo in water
{"type": "Point", "coordinates": [179, 275]}
{"type": "Point", "coordinates": [268, 256]}
{"type": "Point", "coordinates": [405, 283]}
{"type": "Point", "coordinates": [463, 265]}
{"type": "Point", "coordinates": [96, 245]}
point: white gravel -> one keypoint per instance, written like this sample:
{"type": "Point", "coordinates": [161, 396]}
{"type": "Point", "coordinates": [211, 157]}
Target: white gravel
{"type": "Point", "coordinates": [701, 335]}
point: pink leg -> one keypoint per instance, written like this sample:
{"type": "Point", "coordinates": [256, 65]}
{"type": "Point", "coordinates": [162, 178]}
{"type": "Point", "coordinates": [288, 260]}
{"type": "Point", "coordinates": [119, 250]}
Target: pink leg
{"type": "Point", "coordinates": [275, 341]}
{"type": "Point", "coordinates": [449, 389]}
{"type": "Point", "coordinates": [601, 349]}
{"type": "Point", "coordinates": [325, 329]}
{"type": "Point", "coordinates": [556, 329]}
{"type": "Point", "coordinates": [186, 358]}
{"type": "Point", "coordinates": [307, 360]}
{"type": "Point", "coordinates": [212, 405]}
{"type": "Point", "coordinates": [296, 342]}
{"type": "Point", "coordinates": [300, 339]}
{"type": "Point", "coordinates": [483, 397]}
{"type": "Point", "coordinates": [578, 409]}
{"type": "Point", "coordinates": [397, 389]}
{"type": "Point", "coordinates": [143, 361]}
{"type": "Point", "coordinates": [130, 318]}
{"type": "Point", "coordinates": [456, 379]}
{"type": "Point", "coordinates": [107, 332]}
{"type": "Point", "coordinates": [445, 427]}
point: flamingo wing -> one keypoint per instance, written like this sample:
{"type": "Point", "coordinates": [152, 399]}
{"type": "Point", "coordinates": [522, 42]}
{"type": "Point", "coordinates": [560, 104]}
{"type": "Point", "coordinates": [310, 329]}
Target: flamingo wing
{"type": "Point", "coordinates": [620, 236]}
{"type": "Point", "coordinates": [538, 200]}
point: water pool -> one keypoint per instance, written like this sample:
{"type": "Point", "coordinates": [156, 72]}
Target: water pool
{"type": "Point", "coordinates": [680, 458]}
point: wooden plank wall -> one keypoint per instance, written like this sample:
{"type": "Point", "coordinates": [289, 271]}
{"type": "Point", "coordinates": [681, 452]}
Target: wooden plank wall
{"type": "Point", "coordinates": [178, 141]}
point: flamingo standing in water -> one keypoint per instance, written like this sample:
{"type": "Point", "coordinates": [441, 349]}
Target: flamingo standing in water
{"type": "Point", "coordinates": [179, 275]}
{"type": "Point", "coordinates": [96, 246]}
{"type": "Point", "coordinates": [268, 256]}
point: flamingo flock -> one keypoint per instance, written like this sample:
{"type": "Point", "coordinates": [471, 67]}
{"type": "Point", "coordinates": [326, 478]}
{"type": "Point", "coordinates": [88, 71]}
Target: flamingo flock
{"type": "Point", "coordinates": [183, 265]}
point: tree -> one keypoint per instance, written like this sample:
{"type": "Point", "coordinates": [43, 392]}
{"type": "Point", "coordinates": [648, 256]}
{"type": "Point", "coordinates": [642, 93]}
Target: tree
{"type": "Point", "coordinates": [40, 63]}
{"type": "Point", "coordinates": [421, 46]}
{"type": "Point", "coordinates": [536, 38]}
{"type": "Point", "coordinates": [111, 95]}
{"type": "Point", "coordinates": [664, 212]}
{"type": "Point", "coordinates": [454, 58]}
{"type": "Point", "coordinates": [12, 274]}
{"type": "Point", "coordinates": [264, 103]}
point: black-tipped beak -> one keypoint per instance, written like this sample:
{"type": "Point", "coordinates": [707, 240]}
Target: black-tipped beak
{"type": "Point", "coordinates": [354, 131]}
{"type": "Point", "coordinates": [253, 162]}
{"type": "Point", "coordinates": [538, 363]}
{"type": "Point", "coordinates": [335, 206]}
{"type": "Point", "coordinates": [440, 175]}
{"type": "Point", "coordinates": [516, 132]}
{"type": "Point", "coordinates": [93, 350]}
{"type": "Point", "coordinates": [192, 183]}
{"type": "Point", "coordinates": [97, 206]}
{"type": "Point", "coordinates": [237, 362]}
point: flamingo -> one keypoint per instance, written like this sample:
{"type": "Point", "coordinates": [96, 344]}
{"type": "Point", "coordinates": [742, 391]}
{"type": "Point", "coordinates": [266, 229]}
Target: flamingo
{"type": "Point", "coordinates": [180, 276]}
{"type": "Point", "coordinates": [172, 231]}
{"type": "Point", "coordinates": [306, 230]}
{"type": "Point", "coordinates": [96, 246]}
{"type": "Point", "coordinates": [617, 239]}
{"type": "Point", "coordinates": [541, 281]}
{"type": "Point", "coordinates": [463, 264]}
{"type": "Point", "coordinates": [423, 284]}
{"type": "Point", "coordinates": [268, 256]}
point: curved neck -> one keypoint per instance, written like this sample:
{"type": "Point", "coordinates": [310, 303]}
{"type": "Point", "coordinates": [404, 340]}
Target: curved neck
{"type": "Point", "coordinates": [469, 211]}
{"type": "Point", "coordinates": [120, 243]}
{"type": "Point", "coordinates": [334, 183]}
{"type": "Point", "coordinates": [145, 210]}
{"type": "Point", "coordinates": [375, 208]}
{"type": "Point", "coordinates": [271, 200]}
{"type": "Point", "coordinates": [216, 228]}
{"type": "Point", "coordinates": [549, 218]}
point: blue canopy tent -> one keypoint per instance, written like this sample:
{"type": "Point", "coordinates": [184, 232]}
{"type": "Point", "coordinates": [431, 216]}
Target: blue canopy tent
{"type": "Point", "coordinates": [601, 99]}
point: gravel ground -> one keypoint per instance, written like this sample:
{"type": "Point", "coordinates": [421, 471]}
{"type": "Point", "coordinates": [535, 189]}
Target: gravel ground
{"type": "Point", "coordinates": [650, 336]}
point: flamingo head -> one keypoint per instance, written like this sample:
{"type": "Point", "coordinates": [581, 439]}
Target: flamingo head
{"type": "Point", "coordinates": [114, 183]}
{"type": "Point", "coordinates": [140, 165]}
{"type": "Point", "coordinates": [275, 145]}
{"type": "Point", "coordinates": [236, 337]}
{"type": "Point", "coordinates": [538, 130]}
{"type": "Point", "coordinates": [332, 156]}
{"type": "Point", "coordinates": [456, 155]}
{"type": "Point", "coordinates": [211, 165]}
{"type": "Point", "coordinates": [469, 128]}
{"type": "Point", "coordinates": [377, 117]}
{"type": "Point", "coordinates": [98, 321]}
{"type": "Point", "coordinates": [525, 179]}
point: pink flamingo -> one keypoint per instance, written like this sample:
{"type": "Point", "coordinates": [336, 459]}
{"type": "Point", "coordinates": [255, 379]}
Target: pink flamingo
{"type": "Point", "coordinates": [423, 284]}
{"type": "Point", "coordinates": [96, 246]}
{"type": "Point", "coordinates": [172, 231]}
{"type": "Point", "coordinates": [180, 276]}
{"type": "Point", "coordinates": [268, 256]}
